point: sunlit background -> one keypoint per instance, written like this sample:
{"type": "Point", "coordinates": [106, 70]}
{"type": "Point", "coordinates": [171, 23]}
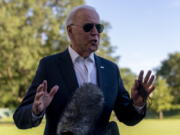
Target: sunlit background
{"type": "Point", "coordinates": [144, 31]}
{"type": "Point", "coordinates": [139, 34]}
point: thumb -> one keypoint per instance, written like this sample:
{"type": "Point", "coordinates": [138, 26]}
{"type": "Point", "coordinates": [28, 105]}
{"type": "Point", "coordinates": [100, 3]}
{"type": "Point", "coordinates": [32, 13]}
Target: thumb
{"type": "Point", "coordinates": [53, 91]}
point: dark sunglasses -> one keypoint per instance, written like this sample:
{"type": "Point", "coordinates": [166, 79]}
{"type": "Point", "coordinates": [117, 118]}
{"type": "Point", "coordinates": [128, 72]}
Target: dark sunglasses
{"type": "Point", "coordinates": [89, 26]}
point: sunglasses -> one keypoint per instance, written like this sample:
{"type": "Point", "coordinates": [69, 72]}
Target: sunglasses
{"type": "Point", "coordinates": [89, 26]}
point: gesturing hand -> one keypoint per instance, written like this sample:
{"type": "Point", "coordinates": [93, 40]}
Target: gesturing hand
{"type": "Point", "coordinates": [43, 98]}
{"type": "Point", "coordinates": [142, 88]}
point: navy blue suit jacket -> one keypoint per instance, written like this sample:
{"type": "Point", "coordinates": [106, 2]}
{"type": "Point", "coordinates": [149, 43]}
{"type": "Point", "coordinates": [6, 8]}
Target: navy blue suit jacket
{"type": "Point", "coordinates": [58, 70]}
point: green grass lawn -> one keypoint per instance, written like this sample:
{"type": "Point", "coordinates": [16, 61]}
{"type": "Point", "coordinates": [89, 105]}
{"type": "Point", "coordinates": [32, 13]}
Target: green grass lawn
{"type": "Point", "coordinates": [146, 127]}
{"type": "Point", "coordinates": [152, 127]}
{"type": "Point", "coordinates": [10, 129]}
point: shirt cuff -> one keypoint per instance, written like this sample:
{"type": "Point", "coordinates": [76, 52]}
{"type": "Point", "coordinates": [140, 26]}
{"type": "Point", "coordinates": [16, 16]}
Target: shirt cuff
{"type": "Point", "coordinates": [139, 109]}
{"type": "Point", "coordinates": [37, 117]}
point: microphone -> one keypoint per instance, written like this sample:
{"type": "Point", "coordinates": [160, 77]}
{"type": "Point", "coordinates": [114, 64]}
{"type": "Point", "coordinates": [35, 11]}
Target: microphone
{"type": "Point", "coordinates": [82, 111]}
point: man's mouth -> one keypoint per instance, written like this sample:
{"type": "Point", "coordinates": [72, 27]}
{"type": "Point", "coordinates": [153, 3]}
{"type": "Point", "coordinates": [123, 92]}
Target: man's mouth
{"type": "Point", "coordinates": [94, 42]}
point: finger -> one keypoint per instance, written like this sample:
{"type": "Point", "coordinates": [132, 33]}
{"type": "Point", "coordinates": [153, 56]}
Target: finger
{"type": "Point", "coordinates": [140, 77]}
{"type": "Point", "coordinates": [45, 85]}
{"type": "Point", "coordinates": [53, 91]}
{"type": "Point", "coordinates": [39, 95]}
{"type": "Point", "coordinates": [149, 83]}
{"type": "Point", "coordinates": [147, 76]}
{"type": "Point", "coordinates": [151, 89]}
{"type": "Point", "coordinates": [37, 103]}
{"type": "Point", "coordinates": [40, 88]}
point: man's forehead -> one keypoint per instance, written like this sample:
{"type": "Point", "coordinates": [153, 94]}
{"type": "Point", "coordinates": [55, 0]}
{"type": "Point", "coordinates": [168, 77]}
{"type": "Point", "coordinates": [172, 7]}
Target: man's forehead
{"type": "Point", "coordinates": [87, 15]}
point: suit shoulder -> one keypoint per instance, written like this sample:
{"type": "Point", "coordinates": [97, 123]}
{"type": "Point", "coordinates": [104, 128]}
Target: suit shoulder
{"type": "Point", "coordinates": [52, 58]}
{"type": "Point", "coordinates": [108, 62]}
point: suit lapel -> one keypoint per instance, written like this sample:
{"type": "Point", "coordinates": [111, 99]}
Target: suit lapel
{"type": "Point", "coordinates": [67, 70]}
{"type": "Point", "coordinates": [68, 73]}
{"type": "Point", "coordinates": [100, 72]}
{"type": "Point", "coordinates": [69, 76]}
{"type": "Point", "coordinates": [68, 83]}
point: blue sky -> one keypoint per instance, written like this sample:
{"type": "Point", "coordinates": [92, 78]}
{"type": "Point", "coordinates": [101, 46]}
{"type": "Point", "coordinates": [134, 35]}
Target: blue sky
{"type": "Point", "coordinates": [144, 31]}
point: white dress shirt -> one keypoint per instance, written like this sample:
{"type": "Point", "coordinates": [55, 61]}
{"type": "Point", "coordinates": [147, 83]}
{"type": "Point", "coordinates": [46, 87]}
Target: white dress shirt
{"type": "Point", "coordinates": [85, 68]}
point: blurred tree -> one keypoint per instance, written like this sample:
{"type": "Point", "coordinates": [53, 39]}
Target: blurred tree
{"type": "Point", "coordinates": [30, 30]}
{"type": "Point", "coordinates": [128, 78]}
{"type": "Point", "coordinates": [161, 97]}
{"type": "Point", "coordinates": [170, 70]}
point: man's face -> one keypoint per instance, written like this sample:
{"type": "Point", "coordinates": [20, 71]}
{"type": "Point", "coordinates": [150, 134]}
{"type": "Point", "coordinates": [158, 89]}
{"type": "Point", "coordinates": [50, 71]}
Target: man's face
{"type": "Point", "coordinates": [81, 41]}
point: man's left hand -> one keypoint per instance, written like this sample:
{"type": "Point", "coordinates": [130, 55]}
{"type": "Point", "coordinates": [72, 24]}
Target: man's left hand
{"type": "Point", "coordinates": [142, 88]}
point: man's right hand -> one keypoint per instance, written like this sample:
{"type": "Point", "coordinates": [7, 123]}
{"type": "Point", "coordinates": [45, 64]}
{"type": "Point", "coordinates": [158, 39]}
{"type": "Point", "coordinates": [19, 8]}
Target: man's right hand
{"type": "Point", "coordinates": [43, 98]}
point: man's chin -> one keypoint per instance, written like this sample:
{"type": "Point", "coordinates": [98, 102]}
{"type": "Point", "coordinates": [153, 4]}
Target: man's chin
{"type": "Point", "coordinates": [93, 48]}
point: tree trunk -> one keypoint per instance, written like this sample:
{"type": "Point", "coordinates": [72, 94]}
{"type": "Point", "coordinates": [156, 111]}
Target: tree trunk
{"type": "Point", "coordinates": [161, 115]}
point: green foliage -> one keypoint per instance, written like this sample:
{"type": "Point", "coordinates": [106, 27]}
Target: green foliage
{"type": "Point", "coordinates": [170, 70]}
{"type": "Point", "coordinates": [161, 97]}
{"type": "Point", "coordinates": [30, 30]}
{"type": "Point", "coordinates": [128, 78]}
{"type": "Point", "coordinates": [22, 44]}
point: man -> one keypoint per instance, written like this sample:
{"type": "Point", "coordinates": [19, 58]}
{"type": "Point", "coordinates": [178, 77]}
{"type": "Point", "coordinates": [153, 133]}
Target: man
{"type": "Point", "coordinates": [58, 76]}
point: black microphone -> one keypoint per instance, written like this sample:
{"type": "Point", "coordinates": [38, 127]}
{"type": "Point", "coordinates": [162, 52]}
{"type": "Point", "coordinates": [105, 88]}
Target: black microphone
{"type": "Point", "coordinates": [82, 111]}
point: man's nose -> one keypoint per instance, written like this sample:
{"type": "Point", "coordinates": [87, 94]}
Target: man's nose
{"type": "Point", "coordinates": [94, 30]}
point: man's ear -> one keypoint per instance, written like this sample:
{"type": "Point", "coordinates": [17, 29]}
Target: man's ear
{"type": "Point", "coordinates": [69, 31]}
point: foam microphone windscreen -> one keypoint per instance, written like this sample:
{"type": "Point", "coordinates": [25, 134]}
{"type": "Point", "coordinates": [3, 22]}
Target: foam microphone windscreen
{"type": "Point", "coordinates": [82, 111]}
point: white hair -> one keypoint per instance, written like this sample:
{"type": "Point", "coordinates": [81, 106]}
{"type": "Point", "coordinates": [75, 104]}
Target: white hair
{"type": "Point", "coordinates": [71, 15]}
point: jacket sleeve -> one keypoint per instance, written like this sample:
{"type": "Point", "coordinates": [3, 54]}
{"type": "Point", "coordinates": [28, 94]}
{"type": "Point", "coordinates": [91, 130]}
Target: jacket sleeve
{"type": "Point", "coordinates": [23, 115]}
{"type": "Point", "coordinates": [124, 109]}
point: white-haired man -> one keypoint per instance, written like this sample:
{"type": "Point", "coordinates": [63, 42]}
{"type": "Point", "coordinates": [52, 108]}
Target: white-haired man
{"type": "Point", "coordinates": [59, 75]}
